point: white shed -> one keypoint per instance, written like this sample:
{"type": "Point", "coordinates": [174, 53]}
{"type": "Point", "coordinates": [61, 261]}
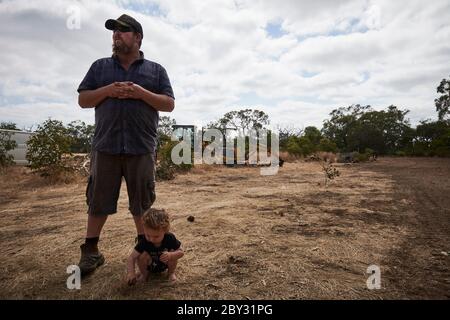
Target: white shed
{"type": "Point", "coordinates": [21, 138]}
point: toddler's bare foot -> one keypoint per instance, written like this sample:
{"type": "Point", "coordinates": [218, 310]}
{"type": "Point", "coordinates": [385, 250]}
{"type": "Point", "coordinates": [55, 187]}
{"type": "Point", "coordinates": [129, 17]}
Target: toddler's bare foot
{"type": "Point", "coordinates": [141, 278]}
{"type": "Point", "coordinates": [172, 277]}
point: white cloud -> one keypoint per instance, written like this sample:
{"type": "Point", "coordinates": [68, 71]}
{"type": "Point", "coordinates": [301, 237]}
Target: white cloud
{"type": "Point", "coordinates": [218, 53]}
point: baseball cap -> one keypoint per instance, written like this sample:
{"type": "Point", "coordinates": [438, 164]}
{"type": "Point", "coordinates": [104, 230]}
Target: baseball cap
{"type": "Point", "coordinates": [126, 21]}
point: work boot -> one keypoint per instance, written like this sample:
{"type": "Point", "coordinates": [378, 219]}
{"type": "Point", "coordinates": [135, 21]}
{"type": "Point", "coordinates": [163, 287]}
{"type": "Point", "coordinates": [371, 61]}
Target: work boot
{"type": "Point", "coordinates": [90, 260]}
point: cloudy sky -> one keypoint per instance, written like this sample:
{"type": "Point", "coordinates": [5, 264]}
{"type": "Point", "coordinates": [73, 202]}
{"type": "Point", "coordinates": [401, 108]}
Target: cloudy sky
{"type": "Point", "coordinates": [296, 60]}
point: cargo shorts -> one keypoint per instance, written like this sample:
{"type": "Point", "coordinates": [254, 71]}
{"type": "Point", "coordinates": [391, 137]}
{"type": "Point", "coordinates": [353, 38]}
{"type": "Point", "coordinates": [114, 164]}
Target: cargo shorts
{"type": "Point", "coordinates": [105, 179]}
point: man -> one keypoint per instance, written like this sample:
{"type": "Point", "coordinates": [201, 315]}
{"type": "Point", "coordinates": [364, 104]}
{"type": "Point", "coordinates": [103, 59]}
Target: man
{"type": "Point", "coordinates": [127, 92]}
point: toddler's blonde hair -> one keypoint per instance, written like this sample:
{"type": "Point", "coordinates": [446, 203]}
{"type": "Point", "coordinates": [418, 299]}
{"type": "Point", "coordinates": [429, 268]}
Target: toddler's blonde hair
{"type": "Point", "coordinates": [156, 219]}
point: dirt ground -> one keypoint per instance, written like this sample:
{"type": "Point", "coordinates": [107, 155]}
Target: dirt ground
{"type": "Point", "coordinates": [286, 236]}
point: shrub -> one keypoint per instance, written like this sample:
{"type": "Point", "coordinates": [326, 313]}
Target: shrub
{"type": "Point", "coordinates": [330, 172]}
{"type": "Point", "coordinates": [369, 152]}
{"type": "Point", "coordinates": [292, 147]}
{"type": "Point", "coordinates": [441, 146]}
{"type": "Point", "coordinates": [6, 144]}
{"type": "Point", "coordinates": [299, 146]}
{"type": "Point", "coordinates": [47, 147]}
{"type": "Point", "coordinates": [327, 156]}
{"type": "Point", "coordinates": [306, 146]}
{"type": "Point", "coordinates": [288, 157]}
{"type": "Point", "coordinates": [81, 135]}
{"type": "Point", "coordinates": [420, 149]}
{"type": "Point", "coordinates": [368, 155]}
{"type": "Point", "coordinates": [327, 145]}
{"type": "Point", "coordinates": [165, 168]}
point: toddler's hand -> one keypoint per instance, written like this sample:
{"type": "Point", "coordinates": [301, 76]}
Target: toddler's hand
{"type": "Point", "coordinates": [131, 279]}
{"type": "Point", "coordinates": [165, 257]}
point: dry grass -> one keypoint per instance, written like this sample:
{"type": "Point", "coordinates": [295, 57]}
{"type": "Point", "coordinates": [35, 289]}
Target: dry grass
{"type": "Point", "coordinates": [254, 237]}
{"type": "Point", "coordinates": [327, 156]}
{"type": "Point", "coordinates": [286, 156]}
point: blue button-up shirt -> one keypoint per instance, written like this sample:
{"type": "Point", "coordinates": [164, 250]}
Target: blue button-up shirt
{"type": "Point", "coordinates": [126, 126]}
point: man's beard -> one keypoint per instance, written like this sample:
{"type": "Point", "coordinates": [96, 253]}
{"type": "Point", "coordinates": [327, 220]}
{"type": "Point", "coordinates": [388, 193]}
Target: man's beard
{"type": "Point", "coordinates": [121, 48]}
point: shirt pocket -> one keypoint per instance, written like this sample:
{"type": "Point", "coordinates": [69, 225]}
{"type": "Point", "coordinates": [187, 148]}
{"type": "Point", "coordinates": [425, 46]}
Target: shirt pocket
{"type": "Point", "coordinates": [148, 81]}
{"type": "Point", "coordinates": [107, 76]}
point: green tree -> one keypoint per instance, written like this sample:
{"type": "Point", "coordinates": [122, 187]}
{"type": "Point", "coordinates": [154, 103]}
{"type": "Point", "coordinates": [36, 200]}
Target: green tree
{"type": "Point", "coordinates": [81, 136]}
{"type": "Point", "coordinates": [6, 144]}
{"type": "Point", "coordinates": [357, 128]}
{"type": "Point", "coordinates": [363, 134]}
{"type": "Point", "coordinates": [431, 138]}
{"type": "Point", "coordinates": [8, 125]}
{"type": "Point", "coordinates": [313, 134]}
{"type": "Point", "coordinates": [443, 102]}
{"type": "Point", "coordinates": [242, 121]}
{"type": "Point", "coordinates": [292, 146]}
{"type": "Point", "coordinates": [165, 129]}
{"type": "Point", "coordinates": [165, 125]}
{"type": "Point", "coordinates": [430, 130]}
{"type": "Point", "coordinates": [342, 123]}
{"type": "Point", "coordinates": [441, 146]}
{"type": "Point", "coordinates": [306, 146]}
{"type": "Point", "coordinates": [300, 146]}
{"type": "Point", "coordinates": [166, 169]}
{"type": "Point", "coordinates": [327, 145]}
{"type": "Point", "coordinates": [384, 130]}
{"type": "Point", "coordinates": [47, 147]}
{"type": "Point", "coordinates": [285, 133]}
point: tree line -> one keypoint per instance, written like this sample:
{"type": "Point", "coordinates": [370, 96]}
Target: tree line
{"type": "Point", "coordinates": [355, 128]}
